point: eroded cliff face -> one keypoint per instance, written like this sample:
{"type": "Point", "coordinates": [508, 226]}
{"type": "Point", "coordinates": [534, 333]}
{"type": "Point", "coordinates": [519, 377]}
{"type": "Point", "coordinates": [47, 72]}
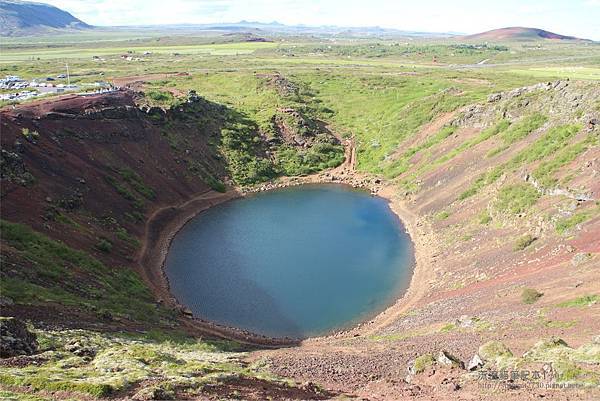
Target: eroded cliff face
{"type": "Point", "coordinates": [88, 172]}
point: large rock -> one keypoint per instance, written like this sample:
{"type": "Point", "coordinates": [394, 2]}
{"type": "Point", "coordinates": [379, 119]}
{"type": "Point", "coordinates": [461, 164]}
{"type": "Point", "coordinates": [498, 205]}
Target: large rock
{"type": "Point", "coordinates": [446, 359]}
{"type": "Point", "coordinates": [475, 363]}
{"type": "Point", "coordinates": [15, 339]}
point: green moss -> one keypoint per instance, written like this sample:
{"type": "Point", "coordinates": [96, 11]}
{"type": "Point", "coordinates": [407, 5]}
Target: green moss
{"type": "Point", "coordinates": [29, 135]}
{"type": "Point", "coordinates": [530, 295]}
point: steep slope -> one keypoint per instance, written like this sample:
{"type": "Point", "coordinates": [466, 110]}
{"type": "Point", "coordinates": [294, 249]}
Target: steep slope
{"type": "Point", "coordinates": [518, 33]}
{"type": "Point", "coordinates": [27, 18]}
{"type": "Point", "coordinates": [501, 199]}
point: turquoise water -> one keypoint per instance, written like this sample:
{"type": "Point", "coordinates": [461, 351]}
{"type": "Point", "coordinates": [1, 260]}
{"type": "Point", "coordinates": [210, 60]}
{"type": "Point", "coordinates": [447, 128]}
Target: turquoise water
{"type": "Point", "coordinates": [295, 262]}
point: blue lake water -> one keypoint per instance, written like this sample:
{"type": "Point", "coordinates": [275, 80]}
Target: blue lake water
{"type": "Point", "coordinates": [297, 262]}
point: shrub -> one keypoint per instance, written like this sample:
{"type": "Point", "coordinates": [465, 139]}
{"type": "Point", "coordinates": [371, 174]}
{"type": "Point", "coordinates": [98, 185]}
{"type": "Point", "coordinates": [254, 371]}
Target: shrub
{"type": "Point", "coordinates": [530, 296]}
{"type": "Point", "coordinates": [104, 245]}
{"type": "Point", "coordinates": [524, 241]}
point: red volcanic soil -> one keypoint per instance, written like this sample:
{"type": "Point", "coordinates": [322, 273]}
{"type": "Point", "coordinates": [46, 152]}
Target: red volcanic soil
{"type": "Point", "coordinates": [518, 33]}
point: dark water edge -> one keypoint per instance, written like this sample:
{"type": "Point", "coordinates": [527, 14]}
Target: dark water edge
{"type": "Point", "coordinates": [294, 262]}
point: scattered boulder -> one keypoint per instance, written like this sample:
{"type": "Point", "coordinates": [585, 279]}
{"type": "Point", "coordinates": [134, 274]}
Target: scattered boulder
{"type": "Point", "coordinates": [494, 97]}
{"type": "Point", "coordinates": [446, 359]}
{"type": "Point", "coordinates": [15, 338]}
{"type": "Point", "coordinates": [475, 363]}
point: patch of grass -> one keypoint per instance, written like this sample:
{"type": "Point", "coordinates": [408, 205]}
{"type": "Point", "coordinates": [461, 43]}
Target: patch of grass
{"type": "Point", "coordinates": [45, 383]}
{"type": "Point", "coordinates": [136, 182]}
{"type": "Point", "coordinates": [518, 131]}
{"type": "Point", "coordinates": [567, 224]}
{"type": "Point", "coordinates": [545, 171]}
{"type": "Point", "coordinates": [483, 136]}
{"type": "Point", "coordinates": [484, 218]}
{"type": "Point", "coordinates": [125, 360]}
{"type": "Point", "coordinates": [581, 302]}
{"type": "Point", "coordinates": [548, 144]}
{"type": "Point", "coordinates": [443, 215]}
{"type": "Point", "coordinates": [98, 289]}
{"type": "Point", "coordinates": [517, 198]}
{"type": "Point", "coordinates": [530, 296]}
{"type": "Point", "coordinates": [448, 327]}
{"type": "Point", "coordinates": [124, 236]}
{"type": "Point", "coordinates": [423, 362]}
{"type": "Point", "coordinates": [524, 241]}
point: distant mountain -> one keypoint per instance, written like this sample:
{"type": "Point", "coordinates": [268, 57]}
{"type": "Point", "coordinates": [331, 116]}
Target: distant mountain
{"type": "Point", "coordinates": [518, 33]}
{"type": "Point", "coordinates": [19, 18]}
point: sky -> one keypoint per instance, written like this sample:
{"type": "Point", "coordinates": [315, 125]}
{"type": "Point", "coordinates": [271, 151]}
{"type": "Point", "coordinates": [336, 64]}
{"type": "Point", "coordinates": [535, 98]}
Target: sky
{"type": "Point", "coordinates": [568, 17]}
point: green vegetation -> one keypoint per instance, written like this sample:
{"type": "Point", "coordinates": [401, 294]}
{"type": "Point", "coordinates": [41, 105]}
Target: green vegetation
{"type": "Point", "coordinates": [88, 363]}
{"type": "Point", "coordinates": [567, 224]}
{"type": "Point", "coordinates": [570, 365]}
{"type": "Point", "coordinates": [300, 162]}
{"type": "Point", "coordinates": [548, 144]}
{"type": "Point", "coordinates": [484, 217]}
{"type": "Point", "coordinates": [104, 245]}
{"type": "Point", "coordinates": [586, 300]}
{"type": "Point", "coordinates": [29, 135]}
{"type": "Point", "coordinates": [482, 137]}
{"type": "Point", "coordinates": [524, 241]}
{"type": "Point", "coordinates": [423, 362]}
{"type": "Point", "coordinates": [530, 296]}
{"type": "Point", "coordinates": [518, 131]}
{"type": "Point", "coordinates": [443, 215]}
{"type": "Point", "coordinates": [497, 353]}
{"type": "Point", "coordinates": [136, 182]}
{"type": "Point", "coordinates": [544, 173]}
{"type": "Point", "coordinates": [56, 272]}
{"type": "Point", "coordinates": [517, 198]}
